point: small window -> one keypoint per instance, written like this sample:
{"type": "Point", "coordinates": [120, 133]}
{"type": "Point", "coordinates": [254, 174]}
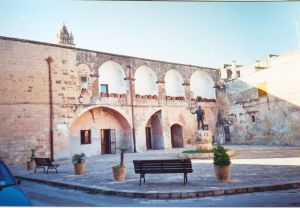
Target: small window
{"type": "Point", "coordinates": [104, 88]}
{"type": "Point", "coordinates": [253, 118]}
{"type": "Point", "coordinates": [238, 73]}
{"type": "Point", "coordinates": [85, 136]}
{"type": "Point", "coordinates": [262, 89]}
{"type": "Point", "coordinates": [229, 73]}
{"type": "Point", "coordinates": [83, 84]}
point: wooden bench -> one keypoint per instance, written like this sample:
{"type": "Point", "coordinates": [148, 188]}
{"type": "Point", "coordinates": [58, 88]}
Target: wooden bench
{"type": "Point", "coordinates": [163, 166]}
{"type": "Point", "coordinates": [44, 162]}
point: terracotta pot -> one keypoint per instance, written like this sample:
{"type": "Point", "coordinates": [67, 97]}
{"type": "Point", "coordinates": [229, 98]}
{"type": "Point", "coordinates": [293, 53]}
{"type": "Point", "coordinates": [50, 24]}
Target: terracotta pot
{"type": "Point", "coordinates": [30, 165]}
{"type": "Point", "coordinates": [119, 172]}
{"type": "Point", "coordinates": [222, 172]}
{"type": "Point", "coordinates": [79, 168]}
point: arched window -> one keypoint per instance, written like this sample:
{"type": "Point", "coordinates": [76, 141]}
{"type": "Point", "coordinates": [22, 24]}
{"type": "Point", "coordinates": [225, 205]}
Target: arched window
{"type": "Point", "coordinates": [173, 83]}
{"type": "Point", "coordinates": [202, 85]}
{"type": "Point", "coordinates": [112, 75]}
{"type": "Point", "coordinates": [145, 81]}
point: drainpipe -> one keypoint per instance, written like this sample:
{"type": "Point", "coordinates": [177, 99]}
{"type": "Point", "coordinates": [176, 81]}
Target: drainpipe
{"type": "Point", "coordinates": [49, 60]}
{"type": "Point", "coordinates": [132, 109]}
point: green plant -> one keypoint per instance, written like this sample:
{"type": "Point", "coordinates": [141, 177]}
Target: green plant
{"type": "Point", "coordinates": [78, 158]}
{"type": "Point", "coordinates": [197, 151]}
{"type": "Point", "coordinates": [122, 151]}
{"type": "Point", "coordinates": [221, 158]}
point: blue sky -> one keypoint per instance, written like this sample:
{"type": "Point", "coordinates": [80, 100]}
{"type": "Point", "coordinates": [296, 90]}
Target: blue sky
{"type": "Point", "coordinates": [205, 34]}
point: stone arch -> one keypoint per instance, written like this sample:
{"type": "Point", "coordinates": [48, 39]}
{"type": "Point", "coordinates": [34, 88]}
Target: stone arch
{"type": "Point", "coordinates": [202, 84]}
{"type": "Point", "coordinates": [83, 68]}
{"type": "Point", "coordinates": [112, 74]}
{"type": "Point", "coordinates": [145, 81]}
{"type": "Point", "coordinates": [98, 120]}
{"type": "Point", "coordinates": [154, 132]}
{"type": "Point", "coordinates": [176, 135]}
{"type": "Point", "coordinates": [173, 83]}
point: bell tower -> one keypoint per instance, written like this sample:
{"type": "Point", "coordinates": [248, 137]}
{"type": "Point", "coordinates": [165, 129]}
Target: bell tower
{"type": "Point", "coordinates": [64, 37]}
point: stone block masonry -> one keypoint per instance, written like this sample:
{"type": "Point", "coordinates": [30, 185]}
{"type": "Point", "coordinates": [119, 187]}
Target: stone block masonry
{"type": "Point", "coordinates": [25, 106]}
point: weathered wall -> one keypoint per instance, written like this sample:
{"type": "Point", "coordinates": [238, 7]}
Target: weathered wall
{"type": "Point", "coordinates": [271, 119]}
{"type": "Point", "coordinates": [25, 107]}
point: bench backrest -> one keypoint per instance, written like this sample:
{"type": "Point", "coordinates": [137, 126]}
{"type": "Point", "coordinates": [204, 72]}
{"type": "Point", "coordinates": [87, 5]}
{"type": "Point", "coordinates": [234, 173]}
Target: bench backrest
{"type": "Point", "coordinates": [163, 166]}
{"type": "Point", "coordinates": [42, 161]}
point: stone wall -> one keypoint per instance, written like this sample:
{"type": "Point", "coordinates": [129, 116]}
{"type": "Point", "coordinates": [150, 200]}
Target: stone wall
{"type": "Point", "coordinates": [25, 100]}
{"type": "Point", "coordinates": [271, 119]}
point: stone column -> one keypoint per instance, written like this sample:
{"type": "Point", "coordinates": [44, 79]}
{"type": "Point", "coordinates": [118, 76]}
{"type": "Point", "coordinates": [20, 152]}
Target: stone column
{"type": "Point", "coordinates": [166, 128]}
{"type": "Point", "coordinates": [161, 92]}
{"type": "Point", "coordinates": [187, 91]}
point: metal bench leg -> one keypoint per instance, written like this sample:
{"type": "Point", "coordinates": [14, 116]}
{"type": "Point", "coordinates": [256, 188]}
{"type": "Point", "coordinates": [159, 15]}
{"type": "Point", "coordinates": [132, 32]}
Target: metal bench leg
{"type": "Point", "coordinates": [56, 170]}
{"type": "Point", "coordinates": [184, 179]}
{"type": "Point", "coordinates": [35, 170]}
{"type": "Point", "coordinates": [47, 170]}
{"type": "Point", "coordinates": [144, 178]}
{"type": "Point", "coordinates": [140, 179]}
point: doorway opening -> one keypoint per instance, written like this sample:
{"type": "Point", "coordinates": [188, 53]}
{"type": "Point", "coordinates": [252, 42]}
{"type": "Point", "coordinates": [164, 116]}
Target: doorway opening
{"type": "Point", "coordinates": [176, 136]}
{"type": "Point", "coordinates": [108, 141]}
{"type": "Point", "coordinates": [227, 133]}
{"type": "Point", "coordinates": [154, 132]}
{"type": "Point", "coordinates": [148, 138]}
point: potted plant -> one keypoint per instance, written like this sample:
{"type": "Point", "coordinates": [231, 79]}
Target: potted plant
{"type": "Point", "coordinates": [78, 161]}
{"type": "Point", "coordinates": [222, 164]}
{"type": "Point", "coordinates": [119, 171]}
{"type": "Point", "coordinates": [31, 163]}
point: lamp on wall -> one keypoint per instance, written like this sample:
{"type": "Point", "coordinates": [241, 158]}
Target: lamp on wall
{"type": "Point", "coordinates": [80, 99]}
{"type": "Point", "coordinates": [220, 87]}
{"type": "Point", "coordinates": [95, 74]}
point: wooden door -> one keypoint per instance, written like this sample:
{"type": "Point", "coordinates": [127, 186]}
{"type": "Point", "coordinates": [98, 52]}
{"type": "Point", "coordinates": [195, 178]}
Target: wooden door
{"type": "Point", "coordinates": [112, 141]}
{"type": "Point", "coordinates": [227, 133]}
{"type": "Point", "coordinates": [148, 138]}
{"type": "Point", "coordinates": [103, 141]}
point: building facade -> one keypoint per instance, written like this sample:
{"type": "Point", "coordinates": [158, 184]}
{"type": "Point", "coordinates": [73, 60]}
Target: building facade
{"type": "Point", "coordinates": [261, 105]}
{"type": "Point", "coordinates": [62, 100]}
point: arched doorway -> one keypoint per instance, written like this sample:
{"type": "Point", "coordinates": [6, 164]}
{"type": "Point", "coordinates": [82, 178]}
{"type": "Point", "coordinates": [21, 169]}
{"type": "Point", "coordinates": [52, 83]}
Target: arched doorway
{"type": "Point", "coordinates": [154, 133]}
{"type": "Point", "coordinates": [176, 136]}
{"type": "Point", "coordinates": [100, 130]}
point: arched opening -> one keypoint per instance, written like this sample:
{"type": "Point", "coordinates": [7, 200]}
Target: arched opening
{"type": "Point", "coordinates": [176, 136]}
{"type": "Point", "coordinates": [111, 78]}
{"type": "Point", "coordinates": [145, 81]}
{"type": "Point", "coordinates": [100, 130]}
{"type": "Point", "coordinates": [202, 85]}
{"type": "Point", "coordinates": [173, 83]}
{"type": "Point", "coordinates": [154, 133]}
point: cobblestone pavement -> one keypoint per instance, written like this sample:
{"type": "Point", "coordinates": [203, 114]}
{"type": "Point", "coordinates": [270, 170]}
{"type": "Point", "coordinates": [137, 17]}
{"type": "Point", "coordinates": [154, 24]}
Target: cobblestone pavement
{"type": "Point", "coordinates": [252, 167]}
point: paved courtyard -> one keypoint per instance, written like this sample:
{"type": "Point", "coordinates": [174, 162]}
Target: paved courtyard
{"type": "Point", "coordinates": [254, 168]}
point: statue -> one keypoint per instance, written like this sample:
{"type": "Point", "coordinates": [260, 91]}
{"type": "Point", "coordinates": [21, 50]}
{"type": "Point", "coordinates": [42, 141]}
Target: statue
{"type": "Point", "coordinates": [200, 116]}
{"type": "Point", "coordinates": [220, 129]}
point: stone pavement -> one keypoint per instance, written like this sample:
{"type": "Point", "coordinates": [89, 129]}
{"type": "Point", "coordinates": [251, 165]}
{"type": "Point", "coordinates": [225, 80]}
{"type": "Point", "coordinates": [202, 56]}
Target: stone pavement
{"type": "Point", "coordinates": [254, 168]}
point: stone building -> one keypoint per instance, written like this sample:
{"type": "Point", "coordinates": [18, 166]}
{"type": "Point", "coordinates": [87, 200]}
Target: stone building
{"type": "Point", "coordinates": [62, 100]}
{"type": "Point", "coordinates": [262, 105]}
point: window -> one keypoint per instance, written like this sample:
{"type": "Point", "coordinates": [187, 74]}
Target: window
{"type": "Point", "coordinates": [262, 89]}
{"type": "Point", "coordinates": [83, 84]}
{"type": "Point", "coordinates": [229, 73]}
{"type": "Point", "coordinates": [253, 118]}
{"type": "Point", "coordinates": [238, 73]}
{"type": "Point", "coordinates": [104, 88]}
{"type": "Point", "coordinates": [85, 136]}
